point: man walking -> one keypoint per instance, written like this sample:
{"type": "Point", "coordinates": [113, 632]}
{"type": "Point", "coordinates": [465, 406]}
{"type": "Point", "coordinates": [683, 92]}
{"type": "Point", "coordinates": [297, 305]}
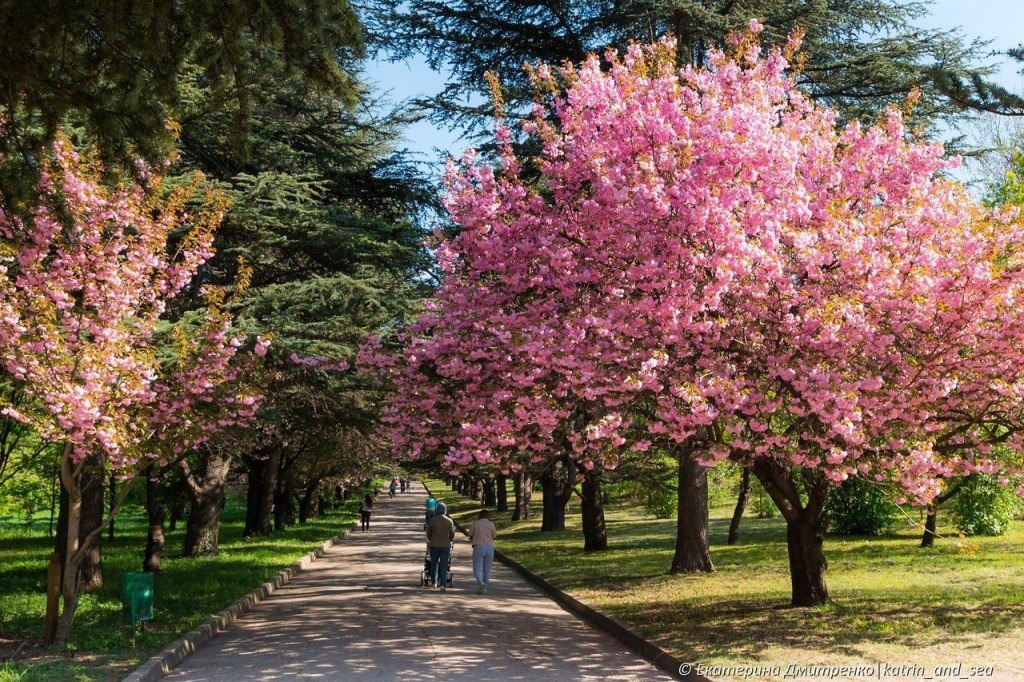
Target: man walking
{"type": "Point", "coordinates": [440, 536]}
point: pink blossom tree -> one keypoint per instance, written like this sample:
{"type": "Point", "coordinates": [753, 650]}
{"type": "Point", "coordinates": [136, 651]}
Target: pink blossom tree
{"type": "Point", "coordinates": [85, 275]}
{"type": "Point", "coordinates": [703, 260]}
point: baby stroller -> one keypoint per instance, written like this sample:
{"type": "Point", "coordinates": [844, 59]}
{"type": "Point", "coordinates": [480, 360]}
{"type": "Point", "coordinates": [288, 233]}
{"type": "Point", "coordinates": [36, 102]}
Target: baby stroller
{"type": "Point", "coordinates": [427, 578]}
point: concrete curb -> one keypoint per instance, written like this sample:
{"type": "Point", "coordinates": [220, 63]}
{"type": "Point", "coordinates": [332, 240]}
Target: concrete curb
{"type": "Point", "coordinates": [176, 652]}
{"type": "Point", "coordinates": [633, 640]}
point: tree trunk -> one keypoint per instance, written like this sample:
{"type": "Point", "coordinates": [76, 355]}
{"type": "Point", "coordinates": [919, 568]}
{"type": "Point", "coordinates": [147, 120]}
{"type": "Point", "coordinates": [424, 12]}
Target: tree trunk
{"type": "Point", "coordinates": [556, 486]}
{"type": "Point", "coordinates": [741, 506]}
{"type": "Point", "coordinates": [175, 509]}
{"type": "Point", "coordinates": [93, 484]}
{"type": "Point", "coordinates": [253, 495]}
{"type": "Point", "coordinates": [55, 573]}
{"type": "Point", "coordinates": [805, 537]}
{"type": "Point", "coordinates": [269, 507]}
{"type": "Point", "coordinates": [693, 554]}
{"type": "Point", "coordinates": [474, 488]}
{"type": "Point", "coordinates": [155, 535]}
{"type": "Point", "coordinates": [203, 526]}
{"type": "Point", "coordinates": [489, 492]}
{"type": "Point", "coordinates": [595, 534]}
{"type": "Point", "coordinates": [290, 511]}
{"type": "Point", "coordinates": [206, 498]}
{"type": "Point", "coordinates": [501, 494]}
{"type": "Point", "coordinates": [71, 480]}
{"type": "Point", "coordinates": [523, 494]}
{"type": "Point", "coordinates": [112, 487]}
{"type": "Point", "coordinates": [805, 527]}
{"type": "Point", "coordinates": [928, 539]}
{"type": "Point", "coordinates": [308, 504]}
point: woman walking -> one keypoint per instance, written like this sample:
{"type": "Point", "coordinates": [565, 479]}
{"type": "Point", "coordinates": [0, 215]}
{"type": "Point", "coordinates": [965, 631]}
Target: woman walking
{"type": "Point", "coordinates": [481, 535]}
{"type": "Point", "coordinates": [364, 511]}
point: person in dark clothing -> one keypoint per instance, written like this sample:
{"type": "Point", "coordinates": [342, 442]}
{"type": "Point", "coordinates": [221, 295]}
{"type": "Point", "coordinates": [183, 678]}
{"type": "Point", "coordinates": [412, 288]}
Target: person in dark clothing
{"type": "Point", "coordinates": [365, 510]}
{"type": "Point", "coordinates": [440, 536]}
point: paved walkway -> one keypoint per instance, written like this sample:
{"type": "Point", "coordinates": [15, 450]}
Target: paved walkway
{"type": "Point", "coordinates": [359, 614]}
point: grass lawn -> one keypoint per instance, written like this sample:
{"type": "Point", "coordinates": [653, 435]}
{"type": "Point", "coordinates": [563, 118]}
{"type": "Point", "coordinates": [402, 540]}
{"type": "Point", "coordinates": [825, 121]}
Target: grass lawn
{"type": "Point", "coordinates": [187, 591]}
{"type": "Point", "coordinates": [893, 602]}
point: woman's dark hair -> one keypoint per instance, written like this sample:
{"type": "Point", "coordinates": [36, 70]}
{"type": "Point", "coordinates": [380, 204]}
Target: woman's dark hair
{"type": "Point", "coordinates": [369, 500]}
{"type": "Point", "coordinates": [485, 514]}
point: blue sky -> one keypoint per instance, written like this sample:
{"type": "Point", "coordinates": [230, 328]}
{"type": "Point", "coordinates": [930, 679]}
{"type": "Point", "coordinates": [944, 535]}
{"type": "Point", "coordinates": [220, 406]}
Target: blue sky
{"type": "Point", "coordinates": [1001, 21]}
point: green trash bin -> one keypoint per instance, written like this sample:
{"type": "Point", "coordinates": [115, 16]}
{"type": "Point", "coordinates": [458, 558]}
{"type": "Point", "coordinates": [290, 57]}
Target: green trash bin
{"type": "Point", "coordinates": [137, 598]}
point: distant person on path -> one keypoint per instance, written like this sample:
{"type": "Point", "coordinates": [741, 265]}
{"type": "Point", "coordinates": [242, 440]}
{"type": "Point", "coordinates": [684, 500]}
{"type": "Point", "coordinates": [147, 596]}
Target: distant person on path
{"type": "Point", "coordinates": [481, 535]}
{"type": "Point", "coordinates": [440, 536]}
{"type": "Point", "coordinates": [430, 512]}
{"type": "Point", "coordinates": [392, 488]}
{"type": "Point", "coordinates": [364, 511]}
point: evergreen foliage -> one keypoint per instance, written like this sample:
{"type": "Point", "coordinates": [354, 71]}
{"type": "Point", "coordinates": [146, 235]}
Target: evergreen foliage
{"type": "Point", "coordinates": [115, 68]}
{"type": "Point", "coordinates": [861, 55]}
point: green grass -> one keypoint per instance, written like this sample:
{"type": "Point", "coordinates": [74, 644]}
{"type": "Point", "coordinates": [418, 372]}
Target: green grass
{"type": "Point", "coordinates": [187, 591]}
{"type": "Point", "coordinates": [891, 600]}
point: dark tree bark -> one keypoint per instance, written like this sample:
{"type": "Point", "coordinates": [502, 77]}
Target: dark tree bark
{"type": "Point", "coordinates": [270, 510]}
{"type": "Point", "coordinates": [202, 529]}
{"type": "Point", "coordinates": [523, 494]}
{"type": "Point", "coordinates": [595, 533]}
{"type": "Point", "coordinates": [741, 506]}
{"type": "Point", "coordinates": [556, 486]}
{"type": "Point", "coordinates": [206, 497]}
{"type": "Point", "coordinates": [55, 572]}
{"type": "Point", "coordinates": [928, 539]}
{"type": "Point", "coordinates": [112, 487]}
{"type": "Point", "coordinates": [489, 492]}
{"type": "Point", "coordinates": [308, 506]}
{"type": "Point", "coordinates": [474, 488]}
{"type": "Point", "coordinates": [501, 493]}
{"type": "Point", "coordinates": [155, 535]}
{"type": "Point", "coordinates": [805, 527]}
{"type": "Point", "coordinates": [693, 553]}
{"type": "Point", "coordinates": [804, 541]}
{"type": "Point", "coordinates": [93, 485]}
{"type": "Point", "coordinates": [290, 512]}
{"type": "Point", "coordinates": [174, 515]}
{"type": "Point", "coordinates": [253, 494]}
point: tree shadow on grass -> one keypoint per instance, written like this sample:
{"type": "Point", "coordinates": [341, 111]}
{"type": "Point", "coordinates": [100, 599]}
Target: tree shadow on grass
{"type": "Point", "coordinates": [847, 626]}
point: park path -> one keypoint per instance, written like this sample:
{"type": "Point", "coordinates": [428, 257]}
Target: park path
{"type": "Point", "coordinates": [359, 614]}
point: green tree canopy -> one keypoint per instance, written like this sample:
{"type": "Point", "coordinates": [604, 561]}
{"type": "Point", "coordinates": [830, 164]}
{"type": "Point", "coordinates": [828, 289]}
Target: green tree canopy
{"type": "Point", "coordinates": [862, 55]}
{"type": "Point", "coordinates": [115, 68]}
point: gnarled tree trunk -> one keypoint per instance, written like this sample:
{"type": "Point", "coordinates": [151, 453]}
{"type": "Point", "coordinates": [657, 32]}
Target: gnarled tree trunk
{"type": "Point", "coordinates": [805, 527]}
{"type": "Point", "coordinates": [155, 535]}
{"type": "Point", "coordinates": [741, 506]}
{"type": "Point", "coordinates": [693, 553]}
{"type": "Point", "coordinates": [556, 486]}
{"type": "Point", "coordinates": [595, 534]}
{"type": "Point", "coordinates": [206, 495]}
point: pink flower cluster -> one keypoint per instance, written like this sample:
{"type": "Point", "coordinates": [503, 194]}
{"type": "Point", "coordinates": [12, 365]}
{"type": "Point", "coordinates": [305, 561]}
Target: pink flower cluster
{"type": "Point", "coordinates": [705, 251]}
{"type": "Point", "coordinates": [84, 280]}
